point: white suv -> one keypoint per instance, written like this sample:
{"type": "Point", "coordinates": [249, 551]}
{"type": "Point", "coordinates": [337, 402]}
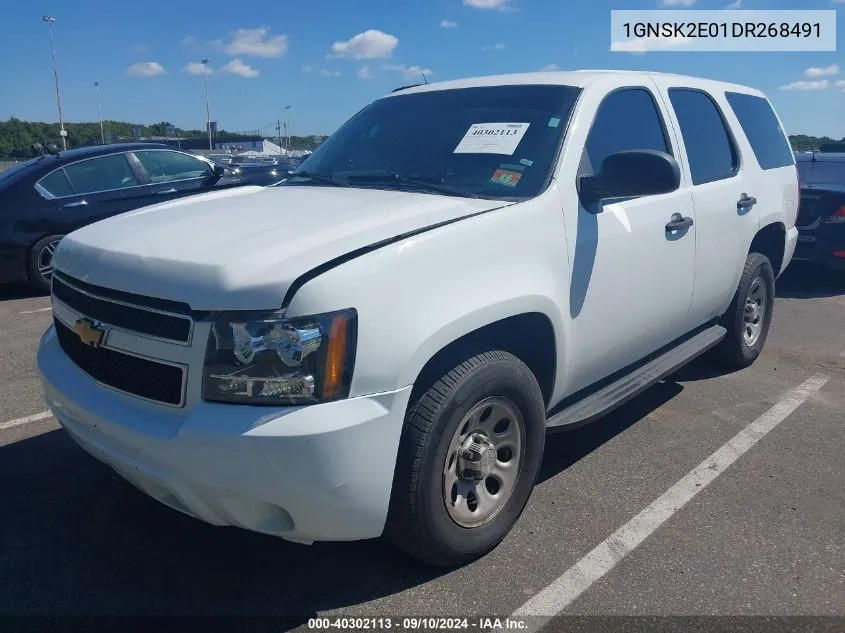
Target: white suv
{"type": "Point", "coordinates": [380, 344]}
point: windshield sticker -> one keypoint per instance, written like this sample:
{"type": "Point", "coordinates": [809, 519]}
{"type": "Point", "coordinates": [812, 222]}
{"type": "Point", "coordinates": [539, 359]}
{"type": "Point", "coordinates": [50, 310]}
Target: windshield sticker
{"type": "Point", "coordinates": [512, 167]}
{"type": "Point", "coordinates": [526, 162]}
{"type": "Point", "coordinates": [506, 177]}
{"type": "Point", "coordinates": [554, 122]}
{"type": "Point", "coordinates": [492, 138]}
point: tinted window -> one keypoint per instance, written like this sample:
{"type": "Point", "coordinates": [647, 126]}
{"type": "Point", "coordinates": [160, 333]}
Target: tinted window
{"type": "Point", "coordinates": [626, 120]}
{"type": "Point", "coordinates": [56, 184]}
{"type": "Point", "coordinates": [101, 174]}
{"type": "Point", "coordinates": [761, 126]}
{"type": "Point", "coordinates": [822, 172]}
{"type": "Point", "coordinates": [494, 142]}
{"type": "Point", "coordinates": [710, 151]}
{"type": "Point", "coordinates": [164, 166]}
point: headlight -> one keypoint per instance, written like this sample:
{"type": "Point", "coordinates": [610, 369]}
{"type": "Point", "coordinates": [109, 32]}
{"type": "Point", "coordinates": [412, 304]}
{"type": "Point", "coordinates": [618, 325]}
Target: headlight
{"type": "Point", "coordinates": [268, 359]}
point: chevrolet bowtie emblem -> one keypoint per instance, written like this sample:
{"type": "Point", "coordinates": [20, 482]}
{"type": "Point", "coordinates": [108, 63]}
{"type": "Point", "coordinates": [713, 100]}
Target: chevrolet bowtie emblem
{"type": "Point", "coordinates": [88, 332]}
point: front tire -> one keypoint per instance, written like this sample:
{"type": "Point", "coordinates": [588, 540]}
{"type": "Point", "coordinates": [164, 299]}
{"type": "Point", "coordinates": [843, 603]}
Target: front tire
{"type": "Point", "coordinates": [750, 315]}
{"type": "Point", "coordinates": [468, 459]}
{"type": "Point", "coordinates": [39, 265]}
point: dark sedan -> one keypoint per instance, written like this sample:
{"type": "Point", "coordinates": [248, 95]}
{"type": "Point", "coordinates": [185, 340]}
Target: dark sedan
{"type": "Point", "coordinates": [44, 199]}
{"type": "Point", "coordinates": [821, 217]}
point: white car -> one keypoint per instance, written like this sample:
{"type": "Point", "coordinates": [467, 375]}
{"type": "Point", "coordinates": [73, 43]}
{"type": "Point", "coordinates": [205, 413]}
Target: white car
{"type": "Point", "coordinates": [380, 344]}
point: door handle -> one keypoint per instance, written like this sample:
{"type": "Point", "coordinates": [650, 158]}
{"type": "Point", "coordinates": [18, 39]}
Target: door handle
{"type": "Point", "coordinates": [745, 202]}
{"type": "Point", "coordinates": [71, 205]}
{"type": "Point", "coordinates": [678, 223]}
{"type": "Point", "coordinates": [164, 192]}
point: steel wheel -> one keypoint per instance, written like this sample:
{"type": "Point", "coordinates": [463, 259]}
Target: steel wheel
{"type": "Point", "coordinates": [45, 261]}
{"type": "Point", "coordinates": [483, 462]}
{"type": "Point", "coordinates": [755, 311]}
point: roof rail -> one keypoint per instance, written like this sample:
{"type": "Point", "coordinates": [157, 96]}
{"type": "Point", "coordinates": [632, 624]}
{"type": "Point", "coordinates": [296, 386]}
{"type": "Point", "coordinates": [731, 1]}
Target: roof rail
{"type": "Point", "coordinates": [405, 87]}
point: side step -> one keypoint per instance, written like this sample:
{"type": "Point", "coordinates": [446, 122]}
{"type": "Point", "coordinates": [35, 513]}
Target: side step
{"type": "Point", "coordinates": [633, 383]}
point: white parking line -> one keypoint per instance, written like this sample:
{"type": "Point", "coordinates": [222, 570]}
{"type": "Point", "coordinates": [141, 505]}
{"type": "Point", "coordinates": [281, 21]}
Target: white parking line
{"type": "Point", "coordinates": [592, 567]}
{"type": "Point", "coordinates": [35, 311]}
{"type": "Point", "coordinates": [30, 418]}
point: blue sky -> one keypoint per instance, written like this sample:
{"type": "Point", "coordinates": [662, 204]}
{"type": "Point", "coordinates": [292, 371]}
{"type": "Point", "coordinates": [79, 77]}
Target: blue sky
{"type": "Point", "coordinates": [329, 58]}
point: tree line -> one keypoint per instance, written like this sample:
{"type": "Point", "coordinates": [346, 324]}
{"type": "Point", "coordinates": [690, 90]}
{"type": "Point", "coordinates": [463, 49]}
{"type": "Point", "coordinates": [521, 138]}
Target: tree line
{"type": "Point", "coordinates": [17, 137]}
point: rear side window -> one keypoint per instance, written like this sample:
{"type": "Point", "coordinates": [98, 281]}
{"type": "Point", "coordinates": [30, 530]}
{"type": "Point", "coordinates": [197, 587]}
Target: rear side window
{"type": "Point", "coordinates": [106, 173]}
{"type": "Point", "coordinates": [626, 120]}
{"type": "Point", "coordinates": [763, 130]}
{"type": "Point", "coordinates": [56, 184]}
{"type": "Point", "coordinates": [710, 150]}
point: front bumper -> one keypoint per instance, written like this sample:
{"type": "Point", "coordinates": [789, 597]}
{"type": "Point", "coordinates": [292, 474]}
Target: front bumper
{"type": "Point", "coordinates": [322, 472]}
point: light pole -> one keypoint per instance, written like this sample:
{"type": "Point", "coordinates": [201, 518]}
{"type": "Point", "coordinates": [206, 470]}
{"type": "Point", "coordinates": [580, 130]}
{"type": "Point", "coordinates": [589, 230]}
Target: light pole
{"type": "Point", "coordinates": [100, 114]}
{"type": "Point", "coordinates": [205, 62]}
{"type": "Point", "coordinates": [49, 19]}
{"type": "Point", "coordinates": [287, 109]}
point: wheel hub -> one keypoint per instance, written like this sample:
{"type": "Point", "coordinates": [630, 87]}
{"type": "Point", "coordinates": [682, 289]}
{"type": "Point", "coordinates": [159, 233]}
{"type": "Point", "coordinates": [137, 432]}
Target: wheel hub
{"type": "Point", "coordinates": [477, 458]}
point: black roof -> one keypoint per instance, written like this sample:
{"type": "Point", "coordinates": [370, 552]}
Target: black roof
{"type": "Point", "coordinates": [99, 150]}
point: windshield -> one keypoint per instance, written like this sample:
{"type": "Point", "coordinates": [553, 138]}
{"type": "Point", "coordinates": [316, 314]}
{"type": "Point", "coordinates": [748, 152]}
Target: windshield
{"type": "Point", "coordinates": [822, 172]}
{"type": "Point", "coordinates": [491, 142]}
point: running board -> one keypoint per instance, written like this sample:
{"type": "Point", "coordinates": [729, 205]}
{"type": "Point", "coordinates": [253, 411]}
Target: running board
{"type": "Point", "coordinates": [632, 384]}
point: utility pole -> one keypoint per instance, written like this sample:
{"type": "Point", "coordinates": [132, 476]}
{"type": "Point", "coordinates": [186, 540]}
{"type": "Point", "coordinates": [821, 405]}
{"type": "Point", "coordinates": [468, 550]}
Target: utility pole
{"type": "Point", "coordinates": [205, 62]}
{"type": "Point", "coordinates": [287, 110]}
{"type": "Point", "coordinates": [49, 19]}
{"type": "Point", "coordinates": [279, 131]}
{"type": "Point", "coordinates": [100, 114]}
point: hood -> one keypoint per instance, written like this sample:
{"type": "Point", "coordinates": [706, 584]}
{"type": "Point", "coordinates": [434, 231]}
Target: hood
{"type": "Point", "coordinates": [241, 249]}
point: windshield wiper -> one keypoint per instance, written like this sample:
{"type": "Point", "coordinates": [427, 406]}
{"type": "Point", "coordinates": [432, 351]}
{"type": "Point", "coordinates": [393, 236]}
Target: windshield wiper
{"type": "Point", "coordinates": [318, 178]}
{"type": "Point", "coordinates": [394, 179]}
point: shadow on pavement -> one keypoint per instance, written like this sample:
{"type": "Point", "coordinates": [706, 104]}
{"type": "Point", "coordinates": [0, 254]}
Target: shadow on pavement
{"type": "Point", "coordinates": [18, 291]}
{"type": "Point", "coordinates": [810, 281]}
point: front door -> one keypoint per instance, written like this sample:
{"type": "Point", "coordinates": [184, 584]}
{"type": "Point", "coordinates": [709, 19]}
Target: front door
{"type": "Point", "coordinates": [632, 275]}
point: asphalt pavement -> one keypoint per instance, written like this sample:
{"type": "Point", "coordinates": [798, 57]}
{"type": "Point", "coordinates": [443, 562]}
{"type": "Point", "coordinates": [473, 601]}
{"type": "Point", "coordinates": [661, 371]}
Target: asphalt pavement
{"type": "Point", "coordinates": [710, 495]}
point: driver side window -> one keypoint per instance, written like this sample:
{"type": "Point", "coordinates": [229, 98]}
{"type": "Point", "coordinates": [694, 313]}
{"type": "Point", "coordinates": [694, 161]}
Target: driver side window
{"type": "Point", "coordinates": [627, 119]}
{"type": "Point", "coordinates": [167, 166]}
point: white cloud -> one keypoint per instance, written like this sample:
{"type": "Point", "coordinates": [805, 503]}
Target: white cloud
{"type": "Point", "coordinates": [494, 47]}
{"type": "Point", "coordinates": [257, 43]}
{"type": "Point", "coordinates": [145, 69]}
{"type": "Point", "coordinates": [448, 24]}
{"type": "Point", "coordinates": [494, 5]}
{"type": "Point", "coordinates": [824, 84]}
{"type": "Point", "coordinates": [307, 69]}
{"type": "Point", "coordinates": [642, 45]}
{"type": "Point", "coordinates": [550, 68]}
{"type": "Point", "coordinates": [833, 69]}
{"type": "Point", "coordinates": [329, 73]}
{"type": "Point", "coordinates": [237, 67]}
{"type": "Point", "coordinates": [370, 44]}
{"type": "Point", "coordinates": [364, 72]}
{"type": "Point", "coordinates": [679, 3]}
{"type": "Point", "coordinates": [841, 83]}
{"type": "Point", "coordinates": [190, 41]}
{"type": "Point", "coordinates": [195, 68]}
{"type": "Point", "coordinates": [140, 48]}
{"type": "Point", "coordinates": [737, 4]}
{"type": "Point", "coordinates": [409, 72]}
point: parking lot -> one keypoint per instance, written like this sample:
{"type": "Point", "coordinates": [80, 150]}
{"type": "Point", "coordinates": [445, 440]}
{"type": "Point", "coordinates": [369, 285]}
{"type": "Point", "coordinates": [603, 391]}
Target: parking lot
{"type": "Point", "coordinates": [763, 535]}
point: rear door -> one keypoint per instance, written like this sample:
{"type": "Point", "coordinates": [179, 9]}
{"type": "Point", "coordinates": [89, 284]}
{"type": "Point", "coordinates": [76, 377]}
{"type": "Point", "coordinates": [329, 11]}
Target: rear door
{"type": "Point", "coordinates": [89, 190]}
{"type": "Point", "coordinates": [723, 194]}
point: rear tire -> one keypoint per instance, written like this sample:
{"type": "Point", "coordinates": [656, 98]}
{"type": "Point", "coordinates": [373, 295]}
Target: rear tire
{"type": "Point", "coordinates": [750, 315]}
{"type": "Point", "coordinates": [468, 459]}
{"type": "Point", "coordinates": [39, 264]}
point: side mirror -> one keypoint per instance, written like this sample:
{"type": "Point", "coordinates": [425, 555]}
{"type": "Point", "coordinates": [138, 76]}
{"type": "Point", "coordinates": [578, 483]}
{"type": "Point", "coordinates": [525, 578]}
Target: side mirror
{"type": "Point", "coordinates": [631, 174]}
{"type": "Point", "coordinates": [219, 170]}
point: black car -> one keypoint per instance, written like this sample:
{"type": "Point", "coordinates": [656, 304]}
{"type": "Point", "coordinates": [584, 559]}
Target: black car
{"type": "Point", "coordinates": [821, 216]}
{"type": "Point", "coordinates": [44, 199]}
